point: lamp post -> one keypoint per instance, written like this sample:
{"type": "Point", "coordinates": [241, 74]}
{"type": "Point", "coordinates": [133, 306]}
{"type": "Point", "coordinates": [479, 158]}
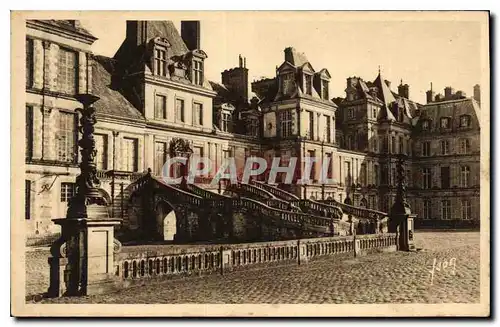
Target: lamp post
{"type": "Point", "coordinates": [82, 261]}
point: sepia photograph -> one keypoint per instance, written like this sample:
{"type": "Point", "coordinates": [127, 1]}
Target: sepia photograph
{"type": "Point", "coordinates": [250, 163]}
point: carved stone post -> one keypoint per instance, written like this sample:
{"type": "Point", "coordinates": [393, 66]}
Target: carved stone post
{"type": "Point", "coordinates": [401, 217]}
{"type": "Point", "coordinates": [82, 261]}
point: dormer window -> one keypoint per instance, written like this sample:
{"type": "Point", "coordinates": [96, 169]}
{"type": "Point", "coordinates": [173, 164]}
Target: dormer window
{"type": "Point", "coordinates": [160, 61]}
{"type": "Point", "coordinates": [226, 122]}
{"type": "Point", "coordinates": [198, 72]}
{"type": "Point", "coordinates": [445, 122]}
{"type": "Point", "coordinates": [308, 84]}
{"type": "Point", "coordinates": [287, 80]}
{"type": "Point", "coordinates": [324, 91]}
{"type": "Point", "coordinates": [465, 121]}
{"type": "Point", "coordinates": [425, 125]}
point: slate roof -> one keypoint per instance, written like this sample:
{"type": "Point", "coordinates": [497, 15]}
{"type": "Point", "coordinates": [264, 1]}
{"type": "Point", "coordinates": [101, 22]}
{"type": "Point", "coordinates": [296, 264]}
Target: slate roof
{"type": "Point", "coordinates": [112, 102]}
{"type": "Point", "coordinates": [453, 108]}
{"type": "Point", "coordinates": [68, 25]}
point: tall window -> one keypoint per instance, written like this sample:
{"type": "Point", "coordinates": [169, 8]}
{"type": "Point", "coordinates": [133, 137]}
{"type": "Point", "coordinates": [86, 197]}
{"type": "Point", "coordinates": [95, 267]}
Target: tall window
{"type": "Point", "coordinates": [253, 128]}
{"type": "Point", "coordinates": [426, 178]}
{"type": "Point", "coordinates": [393, 144]}
{"type": "Point", "coordinates": [197, 72]}
{"type": "Point", "coordinates": [29, 63]}
{"type": "Point", "coordinates": [67, 191]}
{"type": "Point", "coordinates": [445, 209]}
{"type": "Point", "coordinates": [67, 71]}
{"type": "Point", "coordinates": [426, 149]}
{"type": "Point", "coordinates": [160, 62]}
{"type": "Point", "coordinates": [445, 122]}
{"type": "Point", "coordinates": [101, 144]}
{"type": "Point", "coordinates": [464, 121]}
{"type": "Point", "coordinates": [445, 177]}
{"type": "Point", "coordinates": [160, 106]}
{"type": "Point", "coordinates": [65, 137]}
{"type": "Point", "coordinates": [287, 83]}
{"type": "Point", "coordinates": [466, 209]}
{"type": "Point", "coordinates": [312, 154]}
{"type": "Point", "coordinates": [401, 145]}
{"type": "Point", "coordinates": [464, 146]}
{"type": "Point", "coordinates": [27, 199]}
{"type": "Point", "coordinates": [328, 129]}
{"type": "Point", "coordinates": [445, 147]}
{"type": "Point", "coordinates": [311, 125]}
{"type": "Point", "coordinates": [374, 112]}
{"type": "Point", "coordinates": [226, 122]}
{"type": "Point", "coordinates": [464, 176]}
{"type": "Point", "coordinates": [179, 110]}
{"type": "Point", "coordinates": [130, 153]}
{"type": "Point", "coordinates": [329, 172]}
{"type": "Point", "coordinates": [427, 209]}
{"type": "Point", "coordinates": [350, 113]}
{"type": "Point", "coordinates": [325, 90]}
{"type": "Point", "coordinates": [362, 174]}
{"type": "Point", "coordinates": [29, 132]}
{"type": "Point", "coordinates": [308, 79]}
{"type": "Point", "coordinates": [425, 125]}
{"type": "Point", "coordinates": [376, 174]}
{"type": "Point", "coordinates": [285, 117]}
{"type": "Point", "coordinates": [160, 157]}
{"type": "Point", "coordinates": [198, 114]}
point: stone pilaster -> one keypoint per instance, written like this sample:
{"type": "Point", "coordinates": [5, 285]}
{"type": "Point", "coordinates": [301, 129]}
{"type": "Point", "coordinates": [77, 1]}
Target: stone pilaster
{"type": "Point", "coordinates": [37, 133]}
{"type": "Point", "coordinates": [89, 72]}
{"type": "Point", "coordinates": [38, 62]}
{"type": "Point", "coordinates": [51, 61]}
{"type": "Point", "coordinates": [82, 72]}
{"type": "Point", "coordinates": [48, 140]}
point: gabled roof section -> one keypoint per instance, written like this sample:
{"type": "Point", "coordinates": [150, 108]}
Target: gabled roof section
{"type": "Point", "coordinates": [385, 93]}
{"type": "Point", "coordinates": [286, 65]}
{"type": "Point", "coordinates": [307, 67]}
{"type": "Point", "coordinates": [111, 102]}
{"type": "Point", "coordinates": [324, 73]}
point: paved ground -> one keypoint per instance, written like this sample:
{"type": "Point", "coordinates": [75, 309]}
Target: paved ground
{"type": "Point", "coordinates": [387, 277]}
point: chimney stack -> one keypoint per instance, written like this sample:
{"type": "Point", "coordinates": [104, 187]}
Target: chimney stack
{"type": "Point", "coordinates": [448, 92]}
{"type": "Point", "coordinates": [477, 93]}
{"type": "Point", "coordinates": [430, 95]}
{"type": "Point", "coordinates": [404, 90]}
{"type": "Point", "coordinates": [190, 33]}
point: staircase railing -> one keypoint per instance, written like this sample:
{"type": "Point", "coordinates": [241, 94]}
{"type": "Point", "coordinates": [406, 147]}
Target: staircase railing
{"type": "Point", "coordinates": [358, 212]}
{"type": "Point", "coordinates": [282, 194]}
{"type": "Point", "coordinates": [320, 209]}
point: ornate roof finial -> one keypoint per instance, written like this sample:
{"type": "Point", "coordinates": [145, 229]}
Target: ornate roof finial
{"type": "Point", "coordinates": [401, 81]}
{"type": "Point", "coordinates": [379, 69]}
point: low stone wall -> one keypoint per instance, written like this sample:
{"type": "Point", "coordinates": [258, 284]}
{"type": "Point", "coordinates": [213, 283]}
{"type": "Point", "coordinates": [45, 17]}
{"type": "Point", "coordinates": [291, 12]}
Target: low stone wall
{"type": "Point", "coordinates": [137, 268]}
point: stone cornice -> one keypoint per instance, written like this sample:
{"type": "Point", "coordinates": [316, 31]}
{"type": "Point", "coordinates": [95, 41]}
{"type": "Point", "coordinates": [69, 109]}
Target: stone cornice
{"type": "Point", "coordinates": [179, 86]}
{"type": "Point", "coordinates": [53, 29]}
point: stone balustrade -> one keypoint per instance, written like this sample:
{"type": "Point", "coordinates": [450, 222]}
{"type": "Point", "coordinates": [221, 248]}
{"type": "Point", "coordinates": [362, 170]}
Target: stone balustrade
{"type": "Point", "coordinates": [358, 212]}
{"type": "Point", "coordinates": [279, 193]}
{"type": "Point", "coordinates": [319, 208]}
{"type": "Point", "coordinates": [206, 259]}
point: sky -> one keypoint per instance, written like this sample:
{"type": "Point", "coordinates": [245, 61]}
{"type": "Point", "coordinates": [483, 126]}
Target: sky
{"type": "Point", "coordinates": [446, 52]}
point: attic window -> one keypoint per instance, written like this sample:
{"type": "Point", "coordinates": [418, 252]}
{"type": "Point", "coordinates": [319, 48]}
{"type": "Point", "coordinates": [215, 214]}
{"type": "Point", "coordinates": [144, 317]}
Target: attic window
{"type": "Point", "coordinates": [308, 84]}
{"type": "Point", "coordinates": [465, 121]}
{"type": "Point", "coordinates": [160, 61]}
{"type": "Point", "coordinates": [325, 90]}
{"type": "Point", "coordinates": [198, 72]}
{"type": "Point", "coordinates": [425, 125]}
{"type": "Point", "coordinates": [445, 122]}
{"type": "Point", "coordinates": [287, 83]}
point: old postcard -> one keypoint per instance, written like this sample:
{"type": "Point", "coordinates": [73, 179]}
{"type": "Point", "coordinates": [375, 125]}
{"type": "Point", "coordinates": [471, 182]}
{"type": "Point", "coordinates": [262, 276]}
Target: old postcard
{"type": "Point", "coordinates": [250, 164]}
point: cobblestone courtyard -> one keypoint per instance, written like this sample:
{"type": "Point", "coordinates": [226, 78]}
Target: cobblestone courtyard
{"type": "Point", "coordinates": [386, 277]}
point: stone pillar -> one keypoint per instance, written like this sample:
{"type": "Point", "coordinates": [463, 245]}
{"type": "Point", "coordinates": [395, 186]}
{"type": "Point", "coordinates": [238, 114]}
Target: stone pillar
{"type": "Point", "coordinates": [302, 253]}
{"type": "Point", "coordinates": [51, 60]}
{"type": "Point", "coordinates": [82, 72]}
{"type": "Point", "coordinates": [38, 63]}
{"type": "Point", "coordinates": [226, 260]}
{"type": "Point", "coordinates": [48, 137]}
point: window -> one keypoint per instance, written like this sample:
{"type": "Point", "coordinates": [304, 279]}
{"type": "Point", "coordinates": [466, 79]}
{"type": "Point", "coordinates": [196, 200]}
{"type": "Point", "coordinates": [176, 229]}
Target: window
{"type": "Point", "coordinates": [160, 157]}
{"type": "Point", "coordinates": [197, 72]}
{"type": "Point", "coordinates": [160, 106]}
{"type": "Point", "coordinates": [464, 121]}
{"type": "Point", "coordinates": [226, 122]}
{"type": "Point", "coordinates": [287, 83]}
{"type": "Point", "coordinates": [29, 132]}
{"type": "Point", "coordinates": [27, 199]}
{"type": "Point", "coordinates": [179, 110]}
{"type": "Point", "coordinates": [130, 154]}
{"type": "Point", "coordinates": [393, 144]}
{"type": "Point", "coordinates": [393, 176]}
{"type": "Point", "coordinates": [425, 125]}
{"type": "Point", "coordinates": [426, 178]}
{"type": "Point", "coordinates": [464, 146]}
{"type": "Point", "coordinates": [401, 145]}
{"type": "Point", "coordinates": [312, 154]}
{"type": "Point", "coordinates": [329, 172]}
{"type": "Point", "coordinates": [160, 61]}
{"type": "Point", "coordinates": [362, 174]}
{"type": "Point", "coordinates": [445, 122]}
{"type": "Point", "coordinates": [253, 127]}
{"type": "Point", "coordinates": [325, 90]}
{"type": "Point", "coordinates": [328, 129]}
{"type": "Point", "coordinates": [198, 152]}
{"type": "Point", "coordinates": [445, 177]}
{"type": "Point", "coordinates": [66, 74]}
{"type": "Point", "coordinates": [426, 149]}
{"type": "Point", "coordinates": [350, 113]}
{"type": "Point", "coordinates": [427, 209]}
{"type": "Point", "coordinates": [67, 191]}
{"type": "Point", "coordinates": [466, 209]}
{"type": "Point", "coordinates": [308, 79]}
{"type": "Point", "coordinates": [65, 137]}
{"type": "Point", "coordinates": [464, 176]}
{"type": "Point", "coordinates": [445, 147]}
{"type": "Point", "coordinates": [285, 117]}
{"type": "Point", "coordinates": [375, 143]}
{"type": "Point", "coordinates": [311, 125]}
{"type": "Point", "coordinates": [101, 144]}
{"type": "Point", "coordinates": [445, 209]}
{"type": "Point", "coordinates": [198, 114]}
{"type": "Point", "coordinates": [29, 63]}
{"type": "Point", "coordinates": [348, 173]}
{"type": "Point", "coordinates": [374, 112]}
{"type": "Point", "coordinates": [376, 174]}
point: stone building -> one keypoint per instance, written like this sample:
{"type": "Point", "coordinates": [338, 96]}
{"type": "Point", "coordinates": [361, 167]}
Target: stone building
{"type": "Point", "coordinates": [154, 89]}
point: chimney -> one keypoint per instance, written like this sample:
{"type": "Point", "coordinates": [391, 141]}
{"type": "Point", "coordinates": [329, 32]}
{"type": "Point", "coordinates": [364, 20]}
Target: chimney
{"type": "Point", "coordinates": [240, 60]}
{"type": "Point", "coordinates": [289, 52]}
{"type": "Point", "coordinates": [244, 62]}
{"type": "Point", "coordinates": [236, 80]}
{"type": "Point", "coordinates": [430, 95]}
{"type": "Point", "coordinates": [448, 92]}
{"type": "Point", "coordinates": [404, 90]}
{"type": "Point", "coordinates": [477, 93]}
{"type": "Point", "coordinates": [190, 32]}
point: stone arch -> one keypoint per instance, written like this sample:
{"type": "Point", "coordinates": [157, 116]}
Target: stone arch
{"type": "Point", "coordinates": [348, 201]}
{"type": "Point", "coordinates": [363, 203]}
{"type": "Point", "coordinates": [166, 220]}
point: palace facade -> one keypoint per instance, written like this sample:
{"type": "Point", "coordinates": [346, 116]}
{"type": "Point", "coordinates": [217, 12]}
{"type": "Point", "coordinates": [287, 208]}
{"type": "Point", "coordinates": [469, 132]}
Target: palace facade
{"type": "Point", "coordinates": [154, 90]}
